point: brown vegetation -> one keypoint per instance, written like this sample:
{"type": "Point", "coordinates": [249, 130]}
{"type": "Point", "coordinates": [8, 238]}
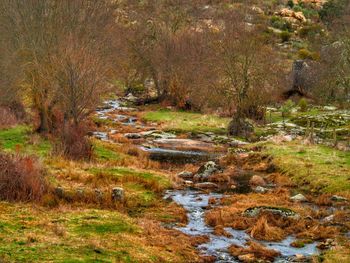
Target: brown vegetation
{"type": "Point", "coordinates": [21, 178]}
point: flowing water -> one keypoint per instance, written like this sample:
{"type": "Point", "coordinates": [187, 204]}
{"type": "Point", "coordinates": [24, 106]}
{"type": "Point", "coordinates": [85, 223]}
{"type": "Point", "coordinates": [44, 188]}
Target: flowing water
{"type": "Point", "coordinates": [196, 202]}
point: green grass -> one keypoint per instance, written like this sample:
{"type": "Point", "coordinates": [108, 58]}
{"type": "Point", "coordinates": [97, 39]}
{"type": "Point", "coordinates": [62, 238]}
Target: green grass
{"type": "Point", "coordinates": [33, 240]}
{"type": "Point", "coordinates": [104, 152]}
{"type": "Point", "coordinates": [316, 168]}
{"type": "Point", "coordinates": [18, 138]}
{"type": "Point", "coordinates": [180, 121]}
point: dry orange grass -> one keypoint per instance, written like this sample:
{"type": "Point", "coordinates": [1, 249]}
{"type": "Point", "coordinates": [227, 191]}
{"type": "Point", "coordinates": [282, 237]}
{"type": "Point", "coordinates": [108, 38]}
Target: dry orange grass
{"type": "Point", "coordinates": [261, 230]}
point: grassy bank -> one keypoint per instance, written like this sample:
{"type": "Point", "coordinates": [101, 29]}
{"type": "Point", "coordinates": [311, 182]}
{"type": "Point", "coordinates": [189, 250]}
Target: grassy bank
{"type": "Point", "coordinates": [313, 167]}
{"type": "Point", "coordinates": [180, 121]}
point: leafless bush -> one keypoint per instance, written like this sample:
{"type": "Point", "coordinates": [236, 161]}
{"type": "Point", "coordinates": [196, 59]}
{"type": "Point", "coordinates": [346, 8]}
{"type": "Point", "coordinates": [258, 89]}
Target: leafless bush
{"type": "Point", "coordinates": [21, 178]}
{"type": "Point", "coordinates": [73, 143]}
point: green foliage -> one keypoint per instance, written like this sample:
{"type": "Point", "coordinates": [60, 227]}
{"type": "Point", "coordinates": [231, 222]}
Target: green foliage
{"type": "Point", "coordinates": [285, 36]}
{"type": "Point", "coordinates": [303, 105]}
{"type": "Point", "coordinates": [280, 23]}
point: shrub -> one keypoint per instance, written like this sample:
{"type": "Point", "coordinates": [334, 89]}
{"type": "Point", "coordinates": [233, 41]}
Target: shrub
{"type": "Point", "coordinates": [73, 143]}
{"type": "Point", "coordinates": [285, 36]}
{"type": "Point", "coordinates": [21, 178]}
{"type": "Point", "coordinates": [303, 105]}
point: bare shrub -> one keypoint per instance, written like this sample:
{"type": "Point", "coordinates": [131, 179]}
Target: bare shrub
{"type": "Point", "coordinates": [73, 143]}
{"type": "Point", "coordinates": [21, 178]}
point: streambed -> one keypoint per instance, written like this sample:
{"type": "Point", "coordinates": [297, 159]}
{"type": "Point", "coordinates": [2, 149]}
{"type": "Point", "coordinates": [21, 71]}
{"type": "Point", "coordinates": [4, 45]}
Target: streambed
{"type": "Point", "coordinates": [196, 203]}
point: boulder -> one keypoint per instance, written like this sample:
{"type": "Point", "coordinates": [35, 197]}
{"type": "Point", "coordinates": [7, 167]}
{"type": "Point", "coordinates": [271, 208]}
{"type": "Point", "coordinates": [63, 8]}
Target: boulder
{"type": "Point", "coordinates": [284, 212]}
{"type": "Point", "coordinates": [206, 170]}
{"type": "Point", "coordinates": [118, 194]}
{"type": "Point", "coordinates": [298, 198]}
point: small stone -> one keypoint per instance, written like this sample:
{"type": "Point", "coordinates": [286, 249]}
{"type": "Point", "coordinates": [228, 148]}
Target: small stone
{"type": "Point", "coordinates": [298, 198]}
{"type": "Point", "coordinates": [185, 175]}
{"type": "Point", "coordinates": [260, 190]}
{"type": "Point", "coordinates": [338, 198]}
{"type": "Point", "coordinates": [118, 194]}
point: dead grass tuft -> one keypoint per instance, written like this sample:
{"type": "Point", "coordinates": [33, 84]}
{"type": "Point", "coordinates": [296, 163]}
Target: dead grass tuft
{"type": "Point", "coordinates": [263, 231]}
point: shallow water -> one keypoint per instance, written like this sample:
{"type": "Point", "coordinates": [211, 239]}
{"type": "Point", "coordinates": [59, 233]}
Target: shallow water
{"type": "Point", "coordinates": [195, 204]}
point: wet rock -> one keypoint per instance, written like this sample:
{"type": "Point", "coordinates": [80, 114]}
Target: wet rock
{"type": "Point", "coordinates": [133, 136]}
{"type": "Point", "coordinates": [118, 194]}
{"type": "Point", "coordinates": [185, 175]}
{"type": "Point", "coordinates": [257, 180]}
{"type": "Point", "coordinates": [206, 170]}
{"type": "Point", "coordinates": [298, 198]}
{"type": "Point", "coordinates": [206, 186]}
{"type": "Point", "coordinates": [260, 190]}
{"type": "Point", "coordinates": [255, 211]}
{"type": "Point", "coordinates": [338, 198]}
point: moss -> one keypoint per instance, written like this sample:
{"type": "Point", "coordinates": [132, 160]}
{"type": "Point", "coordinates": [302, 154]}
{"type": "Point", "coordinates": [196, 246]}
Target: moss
{"type": "Point", "coordinates": [180, 121]}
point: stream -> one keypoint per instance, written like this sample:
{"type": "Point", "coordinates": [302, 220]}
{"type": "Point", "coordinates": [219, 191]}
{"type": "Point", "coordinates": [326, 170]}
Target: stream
{"type": "Point", "coordinates": [195, 202]}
